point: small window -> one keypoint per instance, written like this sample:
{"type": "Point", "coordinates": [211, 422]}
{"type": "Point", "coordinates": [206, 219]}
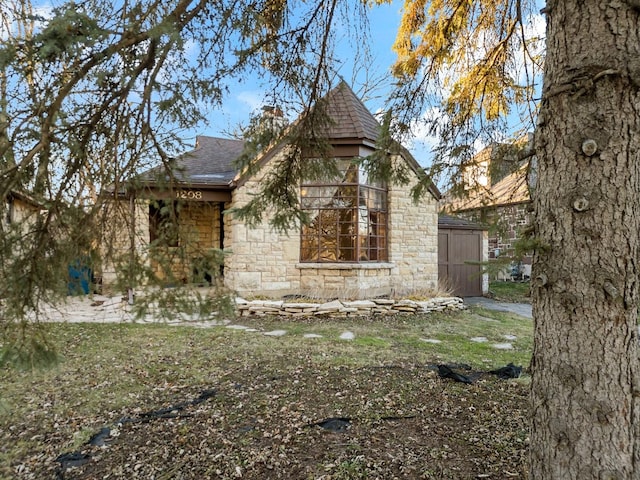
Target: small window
{"type": "Point", "coordinates": [163, 223]}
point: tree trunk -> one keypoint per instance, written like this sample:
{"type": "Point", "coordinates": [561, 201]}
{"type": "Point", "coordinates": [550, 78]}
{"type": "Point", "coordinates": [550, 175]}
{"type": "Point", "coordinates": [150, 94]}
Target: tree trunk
{"type": "Point", "coordinates": [586, 373]}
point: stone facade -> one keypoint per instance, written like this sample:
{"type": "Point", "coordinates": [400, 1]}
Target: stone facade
{"type": "Point", "coordinates": [260, 261]}
{"type": "Point", "coordinates": [200, 232]}
{"type": "Point", "coordinates": [507, 223]}
{"type": "Point", "coordinates": [200, 225]}
{"type": "Point", "coordinates": [413, 241]}
{"type": "Point", "coordinates": [125, 222]}
{"type": "Point", "coordinates": [265, 262]}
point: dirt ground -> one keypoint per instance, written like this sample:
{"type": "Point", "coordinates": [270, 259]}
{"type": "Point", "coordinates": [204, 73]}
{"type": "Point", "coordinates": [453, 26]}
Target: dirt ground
{"type": "Point", "coordinates": [161, 402]}
{"type": "Point", "coordinates": [398, 421]}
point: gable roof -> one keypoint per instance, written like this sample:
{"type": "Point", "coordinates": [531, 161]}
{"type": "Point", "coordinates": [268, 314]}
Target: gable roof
{"type": "Point", "coordinates": [212, 162]}
{"type": "Point", "coordinates": [512, 189]}
{"type": "Point", "coordinates": [352, 124]}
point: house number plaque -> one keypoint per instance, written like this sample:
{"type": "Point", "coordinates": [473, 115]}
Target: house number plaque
{"type": "Point", "coordinates": [189, 194]}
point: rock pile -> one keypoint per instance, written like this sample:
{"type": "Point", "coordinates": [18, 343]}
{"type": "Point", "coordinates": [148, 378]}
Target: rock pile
{"type": "Point", "coordinates": [343, 308]}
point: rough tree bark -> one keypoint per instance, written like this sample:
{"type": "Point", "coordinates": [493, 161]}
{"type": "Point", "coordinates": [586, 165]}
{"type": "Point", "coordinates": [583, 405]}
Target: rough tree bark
{"type": "Point", "coordinates": [586, 373]}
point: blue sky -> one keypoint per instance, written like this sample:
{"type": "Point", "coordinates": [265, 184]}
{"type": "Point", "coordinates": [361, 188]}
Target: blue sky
{"type": "Point", "coordinates": [247, 98]}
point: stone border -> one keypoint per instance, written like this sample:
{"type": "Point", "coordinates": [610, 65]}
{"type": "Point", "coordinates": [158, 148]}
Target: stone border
{"type": "Point", "coordinates": [102, 309]}
{"type": "Point", "coordinates": [343, 308]}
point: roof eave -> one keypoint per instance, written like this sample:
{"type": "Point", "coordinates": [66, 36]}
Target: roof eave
{"type": "Point", "coordinates": [491, 205]}
{"type": "Point", "coordinates": [415, 166]}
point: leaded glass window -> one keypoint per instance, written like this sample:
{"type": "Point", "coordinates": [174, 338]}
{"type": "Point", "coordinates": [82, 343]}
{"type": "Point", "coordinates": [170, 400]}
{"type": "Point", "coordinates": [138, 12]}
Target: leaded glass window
{"type": "Point", "coordinates": [348, 219]}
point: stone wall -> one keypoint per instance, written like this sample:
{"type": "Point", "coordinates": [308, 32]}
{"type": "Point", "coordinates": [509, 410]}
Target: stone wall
{"type": "Point", "coordinates": [261, 261]}
{"type": "Point", "coordinates": [119, 218]}
{"type": "Point", "coordinates": [200, 226]}
{"type": "Point", "coordinates": [339, 309]}
{"type": "Point", "coordinates": [485, 258]}
{"type": "Point", "coordinates": [345, 280]}
{"type": "Point", "coordinates": [265, 262]}
{"type": "Point", "coordinates": [506, 224]}
{"type": "Point", "coordinates": [199, 234]}
{"type": "Point", "coordinates": [413, 241]}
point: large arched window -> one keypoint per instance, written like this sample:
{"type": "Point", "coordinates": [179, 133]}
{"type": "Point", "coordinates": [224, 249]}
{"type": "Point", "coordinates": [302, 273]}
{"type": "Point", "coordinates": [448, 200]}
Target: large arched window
{"type": "Point", "coordinates": [348, 219]}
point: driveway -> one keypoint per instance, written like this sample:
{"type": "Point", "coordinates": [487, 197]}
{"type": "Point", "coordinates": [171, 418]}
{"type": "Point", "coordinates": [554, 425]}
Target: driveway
{"type": "Point", "coordinates": [522, 309]}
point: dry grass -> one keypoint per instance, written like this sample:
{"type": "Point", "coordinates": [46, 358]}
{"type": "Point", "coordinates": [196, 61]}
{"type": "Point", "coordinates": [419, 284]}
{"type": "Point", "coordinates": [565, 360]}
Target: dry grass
{"type": "Point", "coordinates": [518, 292]}
{"type": "Point", "coordinates": [405, 422]}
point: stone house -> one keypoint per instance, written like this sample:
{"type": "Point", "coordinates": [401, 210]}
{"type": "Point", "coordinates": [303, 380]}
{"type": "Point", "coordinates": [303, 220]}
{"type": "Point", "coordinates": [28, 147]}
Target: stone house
{"type": "Point", "coordinates": [503, 204]}
{"type": "Point", "coordinates": [19, 208]}
{"type": "Point", "coordinates": [365, 239]}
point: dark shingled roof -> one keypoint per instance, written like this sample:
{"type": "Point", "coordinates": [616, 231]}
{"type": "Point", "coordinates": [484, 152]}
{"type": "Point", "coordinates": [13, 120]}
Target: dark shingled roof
{"type": "Point", "coordinates": [352, 118]}
{"type": "Point", "coordinates": [447, 221]}
{"type": "Point", "coordinates": [210, 164]}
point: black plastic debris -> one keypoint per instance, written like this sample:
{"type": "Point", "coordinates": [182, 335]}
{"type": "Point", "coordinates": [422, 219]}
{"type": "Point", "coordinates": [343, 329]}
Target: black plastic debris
{"type": "Point", "coordinates": [101, 438]}
{"type": "Point", "coordinates": [337, 425]}
{"type": "Point", "coordinates": [174, 411]}
{"type": "Point", "coordinates": [446, 372]}
{"type": "Point", "coordinates": [204, 395]}
{"type": "Point", "coordinates": [73, 459]}
{"type": "Point", "coordinates": [510, 371]}
{"type": "Point", "coordinates": [460, 366]}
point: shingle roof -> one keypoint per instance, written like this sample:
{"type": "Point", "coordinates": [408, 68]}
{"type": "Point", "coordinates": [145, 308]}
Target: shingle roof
{"type": "Point", "coordinates": [352, 119]}
{"type": "Point", "coordinates": [510, 190]}
{"type": "Point", "coordinates": [447, 221]}
{"type": "Point", "coordinates": [211, 163]}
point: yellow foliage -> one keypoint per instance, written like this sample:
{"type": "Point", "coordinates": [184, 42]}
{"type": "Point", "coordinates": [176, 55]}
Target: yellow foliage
{"type": "Point", "coordinates": [465, 45]}
{"type": "Point", "coordinates": [273, 13]}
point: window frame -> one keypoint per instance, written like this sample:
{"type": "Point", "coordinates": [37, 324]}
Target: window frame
{"type": "Point", "coordinates": [346, 238]}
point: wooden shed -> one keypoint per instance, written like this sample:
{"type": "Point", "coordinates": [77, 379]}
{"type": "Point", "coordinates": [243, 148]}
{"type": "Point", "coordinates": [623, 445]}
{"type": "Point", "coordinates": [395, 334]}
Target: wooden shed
{"type": "Point", "coordinates": [462, 246]}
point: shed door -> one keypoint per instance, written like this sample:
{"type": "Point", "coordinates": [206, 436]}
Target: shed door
{"type": "Point", "coordinates": [455, 249]}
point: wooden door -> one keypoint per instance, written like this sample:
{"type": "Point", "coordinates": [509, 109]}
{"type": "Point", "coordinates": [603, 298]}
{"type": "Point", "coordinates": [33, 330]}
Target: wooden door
{"type": "Point", "coordinates": [459, 252]}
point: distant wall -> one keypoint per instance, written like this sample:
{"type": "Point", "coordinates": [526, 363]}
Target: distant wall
{"type": "Point", "coordinates": [506, 224]}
